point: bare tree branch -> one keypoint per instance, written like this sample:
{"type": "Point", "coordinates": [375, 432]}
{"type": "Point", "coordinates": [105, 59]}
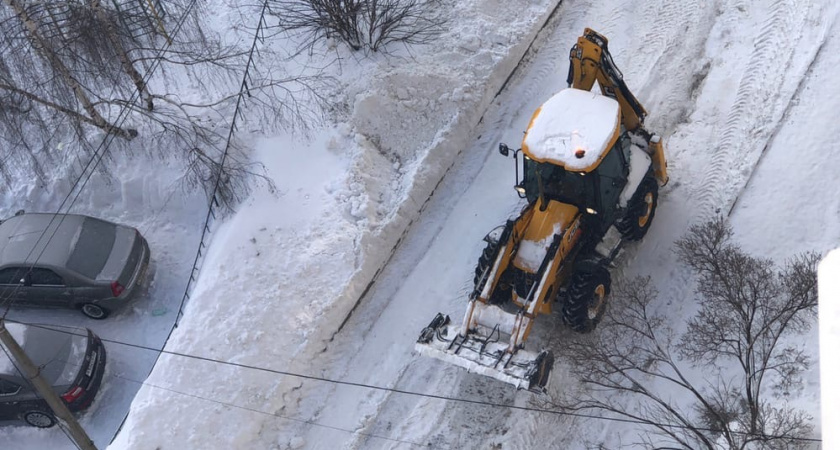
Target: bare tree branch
{"type": "Point", "coordinates": [747, 308]}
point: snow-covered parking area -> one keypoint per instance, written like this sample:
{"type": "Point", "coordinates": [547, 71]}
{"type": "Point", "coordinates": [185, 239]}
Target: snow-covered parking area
{"type": "Point", "coordinates": [170, 219]}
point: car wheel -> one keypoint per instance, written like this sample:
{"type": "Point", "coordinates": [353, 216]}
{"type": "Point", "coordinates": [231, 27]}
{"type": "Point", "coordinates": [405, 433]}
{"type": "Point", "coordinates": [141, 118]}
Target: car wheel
{"type": "Point", "coordinates": [94, 311]}
{"type": "Point", "coordinates": [39, 419]}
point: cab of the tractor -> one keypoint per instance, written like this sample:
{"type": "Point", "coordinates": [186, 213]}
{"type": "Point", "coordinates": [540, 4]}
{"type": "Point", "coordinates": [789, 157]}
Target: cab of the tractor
{"type": "Point", "coordinates": [575, 152]}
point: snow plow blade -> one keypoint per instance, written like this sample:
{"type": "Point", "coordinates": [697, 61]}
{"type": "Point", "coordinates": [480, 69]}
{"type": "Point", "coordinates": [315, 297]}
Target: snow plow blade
{"type": "Point", "coordinates": [482, 351]}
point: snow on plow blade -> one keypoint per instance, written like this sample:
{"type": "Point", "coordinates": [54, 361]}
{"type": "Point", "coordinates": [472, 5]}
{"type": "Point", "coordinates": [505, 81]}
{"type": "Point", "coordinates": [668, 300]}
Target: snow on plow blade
{"type": "Point", "coordinates": [482, 351]}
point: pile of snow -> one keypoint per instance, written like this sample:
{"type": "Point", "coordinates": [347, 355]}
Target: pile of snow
{"type": "Point", "coordinates": [531, 254]}
{"type": "Point", "coordinates": [285, 271]}
{"type": "Point", "coordinates": [572, 129]}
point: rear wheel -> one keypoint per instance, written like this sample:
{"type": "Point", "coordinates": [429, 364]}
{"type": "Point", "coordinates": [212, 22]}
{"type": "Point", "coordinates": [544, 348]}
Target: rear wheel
{"type": "Point", "coordinates": [586, 299]}
{"type": "Point", "coordinates": [40, 419]}
{"type": "Point", "coordinates": [640, 210]}
{"type": "Point", "coordinates": [94, 311]}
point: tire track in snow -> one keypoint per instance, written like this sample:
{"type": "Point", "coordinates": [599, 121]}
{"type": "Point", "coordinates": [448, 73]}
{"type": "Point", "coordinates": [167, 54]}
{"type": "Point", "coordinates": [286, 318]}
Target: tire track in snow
{"type": "Point", "coordinates": [663, 45]}
{"type": "Point", "coordinates": [791, 102]}
{"type": "Point", "coordinates": [763, 75]}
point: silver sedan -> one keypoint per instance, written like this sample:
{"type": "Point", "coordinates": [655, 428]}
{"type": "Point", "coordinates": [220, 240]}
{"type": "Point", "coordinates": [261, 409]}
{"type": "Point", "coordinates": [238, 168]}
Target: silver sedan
{"type": "Point", "coordinates": [70, 261]}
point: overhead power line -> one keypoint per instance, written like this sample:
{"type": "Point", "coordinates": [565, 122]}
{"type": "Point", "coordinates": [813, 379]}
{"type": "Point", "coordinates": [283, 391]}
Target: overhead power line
{"type": "Point", "coordinates": [410, 393]}
{"type": "Point", "coordinates": [253, 410]}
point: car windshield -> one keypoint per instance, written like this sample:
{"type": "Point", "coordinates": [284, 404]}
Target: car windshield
{"type": "Point", "coordinates": [93, 247]}
{"type": "Point", "coordinates": [557, 183]}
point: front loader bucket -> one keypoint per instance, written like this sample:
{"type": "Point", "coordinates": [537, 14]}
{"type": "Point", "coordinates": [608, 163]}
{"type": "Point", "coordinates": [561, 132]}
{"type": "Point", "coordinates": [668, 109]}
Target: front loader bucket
{"type": "Point", "coordinates": [482, 351]}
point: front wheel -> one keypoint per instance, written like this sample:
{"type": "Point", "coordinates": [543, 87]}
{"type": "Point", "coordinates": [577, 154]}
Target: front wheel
{"type": "Point", "coordinates": [94, 311]}
{"type": "Point", "coordinates": [488, 256]}
{"type": "Point", "coordinates": [39, 419]}
{"type": "Point", "coordinates": [501, 293]}
{"type": "Point", "coordinates": [640, 210]}
{"type": "Point", "coordinates": [586, 299]}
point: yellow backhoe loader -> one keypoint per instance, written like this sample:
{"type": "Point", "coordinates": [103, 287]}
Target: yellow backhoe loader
{"type": "Point", "coordinates": [591, 176]}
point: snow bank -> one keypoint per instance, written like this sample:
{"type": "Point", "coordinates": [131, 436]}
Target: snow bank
{"type": "Point", "coordinates": [829, 310]}
{"type": "Point", "coordinates": [283, 273]}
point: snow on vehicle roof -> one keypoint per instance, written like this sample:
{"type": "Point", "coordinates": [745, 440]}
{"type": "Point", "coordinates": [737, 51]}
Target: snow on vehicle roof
{"type": "Point", "coordinates": [573, 129]}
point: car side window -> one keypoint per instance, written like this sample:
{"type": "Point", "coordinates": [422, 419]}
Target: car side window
{"type": "Point", "coordinates": [44, 277]}
{"type": "Point", "coordinates": [12, 275]}
{"type": "Point", "coordinates": [7, 388]}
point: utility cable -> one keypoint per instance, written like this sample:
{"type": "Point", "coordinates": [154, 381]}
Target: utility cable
{"type": "Point", "coordinates": [244, 408]}
{"type": "Point", "coordinates": [293, 419]}
{"type": "Point", "coordinates": [411, 393]}
{"type": "Point", "coordinates": [243, 89]}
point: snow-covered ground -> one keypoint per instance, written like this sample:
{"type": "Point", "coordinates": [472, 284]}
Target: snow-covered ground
{"type": "Point", "coordinates": [740, 90]}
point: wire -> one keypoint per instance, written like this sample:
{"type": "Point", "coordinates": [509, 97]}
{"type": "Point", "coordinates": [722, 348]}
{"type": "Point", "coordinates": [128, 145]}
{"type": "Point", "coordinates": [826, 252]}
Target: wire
{"type": "Point", "coordinates": [243, 88]}
{"type": "Point", "coordinates": [232, 405]}
{"type": "Point", "coordinates": [410, 393]}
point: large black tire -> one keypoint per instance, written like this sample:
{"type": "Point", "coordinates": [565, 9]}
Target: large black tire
{"type": "Point", "coordinates": [38, 418]}
{"type": "Point", "coordinates": [586, 299]}
{"type": "Point", "coordinates": [640, 210]}
{"type": "Point", "coordinates": [484, 261]}
{"type": "Point", "coordinates": [502, 291]}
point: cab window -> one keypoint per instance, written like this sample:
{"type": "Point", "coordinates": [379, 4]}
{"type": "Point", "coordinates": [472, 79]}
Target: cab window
{"type": "Point", "coordinates": [557, 183]}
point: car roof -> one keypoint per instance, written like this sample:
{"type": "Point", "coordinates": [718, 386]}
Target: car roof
{"type": "Point", "coordinates": [21, 240]}
{"type": "Point", "coordinates": [46, 345]}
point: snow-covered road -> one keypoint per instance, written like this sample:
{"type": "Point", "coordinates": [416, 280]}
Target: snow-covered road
{"type": "Point", "coordinates": [718, 81]}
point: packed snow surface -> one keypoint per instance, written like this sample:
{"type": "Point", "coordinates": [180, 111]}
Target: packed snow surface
{"type": "Point", "coordinates": [572, 129]}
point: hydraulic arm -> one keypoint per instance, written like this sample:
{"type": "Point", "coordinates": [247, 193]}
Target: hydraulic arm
{"type": "Point", "coordinates": [591, 61]}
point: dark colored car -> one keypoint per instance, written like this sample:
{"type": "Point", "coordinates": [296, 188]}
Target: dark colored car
{"type": "Point", "coordinates": [72, 360]}
{"type": "Point", "coordinates": [70, 261]}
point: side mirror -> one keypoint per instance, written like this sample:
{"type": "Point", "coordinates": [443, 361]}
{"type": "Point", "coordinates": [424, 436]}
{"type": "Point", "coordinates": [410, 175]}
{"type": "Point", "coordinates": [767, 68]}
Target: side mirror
{"type": "Point", "coordinates": [504, 149]}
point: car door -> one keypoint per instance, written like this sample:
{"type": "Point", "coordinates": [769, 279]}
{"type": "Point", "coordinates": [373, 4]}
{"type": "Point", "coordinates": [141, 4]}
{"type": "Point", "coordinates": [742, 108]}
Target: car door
{"type": "Point", "coordinates": [9, 401]}
{"type": "Point", "coordinates": [45, 287]}
{"type": "Point", "coordinates": [12, 285]}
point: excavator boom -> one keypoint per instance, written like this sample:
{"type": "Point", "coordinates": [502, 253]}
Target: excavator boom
{"type": "Point", "coordinates": [590, 61]}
